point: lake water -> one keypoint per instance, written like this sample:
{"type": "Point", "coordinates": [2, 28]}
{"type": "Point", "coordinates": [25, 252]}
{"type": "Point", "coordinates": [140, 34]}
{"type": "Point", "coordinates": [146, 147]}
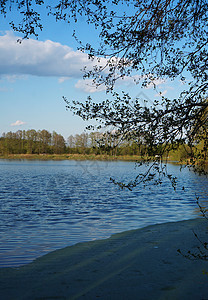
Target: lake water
{"type": "Point", "coordinates": [47, 205]}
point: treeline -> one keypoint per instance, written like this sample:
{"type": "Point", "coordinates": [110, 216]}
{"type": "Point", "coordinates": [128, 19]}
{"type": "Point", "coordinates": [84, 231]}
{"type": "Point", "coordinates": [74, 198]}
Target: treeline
{"type": "Point", "coordinates": [101, 143]}
{"type": "Point", "coordinates": [32, 142]}
{"type": "Point", "coordinates": [44, 142]}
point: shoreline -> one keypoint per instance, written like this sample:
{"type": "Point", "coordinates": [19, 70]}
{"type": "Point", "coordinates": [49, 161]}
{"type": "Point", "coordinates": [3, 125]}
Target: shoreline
{"type": "Point", "coordinates": [83, 157]}
{"type": "Point", "coordinates": [56, 157]}
{"type": "Point", "coordinates": [136, 264]}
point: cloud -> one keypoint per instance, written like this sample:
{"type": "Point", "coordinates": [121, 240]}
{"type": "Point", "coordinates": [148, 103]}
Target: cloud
{"type": "Point", "coordinates": [161, 94]}
{"type": "Point", "coordinates": [13, 78]}
{"type": "Point", "coordinates": [40, 58]}
{"type": "Point", "coordinates": [47, 59]}
{"type": "Point", "coordinates": [18, 123]}
{"type": "Point", "coordinates": [62, 79]}
{"type": "Point", "coordinates": [152, 83]}
{"type": "Point", "coordinates": [88, 86]}
{"type": "Point", "coordinates": [3, 89]}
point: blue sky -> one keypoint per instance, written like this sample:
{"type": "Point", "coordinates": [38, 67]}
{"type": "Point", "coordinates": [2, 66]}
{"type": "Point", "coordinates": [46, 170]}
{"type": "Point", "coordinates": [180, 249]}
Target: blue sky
{"type": "Point", "coordinates": [35, 74]}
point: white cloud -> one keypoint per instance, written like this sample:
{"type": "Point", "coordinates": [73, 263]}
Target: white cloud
{"type": "Point", "coordinates": [161, 94]}
{"type": "Point", "coordinates": [18, 123]}
{"type": "Point", "coordinates": [3, 89]}
{"type": "Point", "coordinates": [136, 79]}
{"type": "Point", "coordinates": [48, 58]}
{"type": "Point", "coordinates": [87, 86]}
{"type": "Point", "coordinates": [62, 79]}
{"type": "Point", "coordinates": [40, 58]}
{"type": "Point", "coordinates": [152, 83]}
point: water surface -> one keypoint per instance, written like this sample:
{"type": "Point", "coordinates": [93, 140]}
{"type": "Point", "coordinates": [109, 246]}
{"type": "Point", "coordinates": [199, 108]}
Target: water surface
{"type": "Point", "coordinates": [47, 205]}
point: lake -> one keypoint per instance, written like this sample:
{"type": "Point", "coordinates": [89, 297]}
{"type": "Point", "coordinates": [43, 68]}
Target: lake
{"type": "Point", "coordinates": [47, 205]}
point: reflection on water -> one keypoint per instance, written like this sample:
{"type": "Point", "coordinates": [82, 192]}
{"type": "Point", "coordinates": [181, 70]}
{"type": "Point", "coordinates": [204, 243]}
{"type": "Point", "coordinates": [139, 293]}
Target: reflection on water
{"type": "Point", "coordinates": [46, 205]}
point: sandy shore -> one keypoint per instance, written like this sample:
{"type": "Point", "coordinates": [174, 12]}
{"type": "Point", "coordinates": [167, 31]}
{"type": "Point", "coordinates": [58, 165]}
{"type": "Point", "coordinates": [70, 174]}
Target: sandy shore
{"type": "Point", "coordinates": [137, 264]}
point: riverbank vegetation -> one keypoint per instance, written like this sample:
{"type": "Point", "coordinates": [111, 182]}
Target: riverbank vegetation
{"type": "Point", "coordinates": [43, 145]}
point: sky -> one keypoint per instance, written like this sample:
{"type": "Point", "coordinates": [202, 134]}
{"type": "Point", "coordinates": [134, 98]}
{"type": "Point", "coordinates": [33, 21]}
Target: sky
{"type": "Point", "coordinates": [37, 73]}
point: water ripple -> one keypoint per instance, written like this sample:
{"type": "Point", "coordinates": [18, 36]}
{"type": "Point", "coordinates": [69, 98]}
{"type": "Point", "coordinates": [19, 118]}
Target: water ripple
{"type": "Point", "coordinates": [49, 205]}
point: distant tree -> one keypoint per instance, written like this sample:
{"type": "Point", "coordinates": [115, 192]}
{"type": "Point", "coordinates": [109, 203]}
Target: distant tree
{"type": "Point", "coordinates": [20, 135]}
{"type": "Point", "coordinates": [44, 139]}
{"type": "Point", "coordinates": [3, 144]}
{"type": "Point", "coordinates": [70, 141]}
{"type": "Point", "coordinates": [31, 137]}
{"type": "Point", "coordinates": [58, 143]}
{"type": "Point", "coordinates": [81, 142]}
{"type": "Point", "coordinates": [32, 142]}
{"type": "Point", "coordinates": [9, 143]}
{"type": "Point", "coordinates": [94, 142]}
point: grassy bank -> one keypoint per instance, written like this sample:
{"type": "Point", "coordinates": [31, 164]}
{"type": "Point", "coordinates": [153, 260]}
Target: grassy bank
{"type": "Point", "coordinates": [70, 157]}
{"type": "Point", "coordinates": [103, 157]}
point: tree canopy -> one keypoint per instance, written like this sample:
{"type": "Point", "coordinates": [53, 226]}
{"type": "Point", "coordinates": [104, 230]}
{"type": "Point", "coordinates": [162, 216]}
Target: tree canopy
{"type": "Point", "coordinates": [154, 37]}
{"type": "Point", "coordinates": [147, 40]}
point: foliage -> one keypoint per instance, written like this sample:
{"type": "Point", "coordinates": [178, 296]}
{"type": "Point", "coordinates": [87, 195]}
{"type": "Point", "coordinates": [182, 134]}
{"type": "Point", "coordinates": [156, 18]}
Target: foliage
{"type": "Point", "coordinates": [32, 142]}
{"type": "Point", "coordinates": [158, 130]}
{"type": "Point", "coordinates": [95, 143]}
{"type": "Point", "coordinates": [157, 38]}
{"type": "Point", "coordinates": [153, 40]}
